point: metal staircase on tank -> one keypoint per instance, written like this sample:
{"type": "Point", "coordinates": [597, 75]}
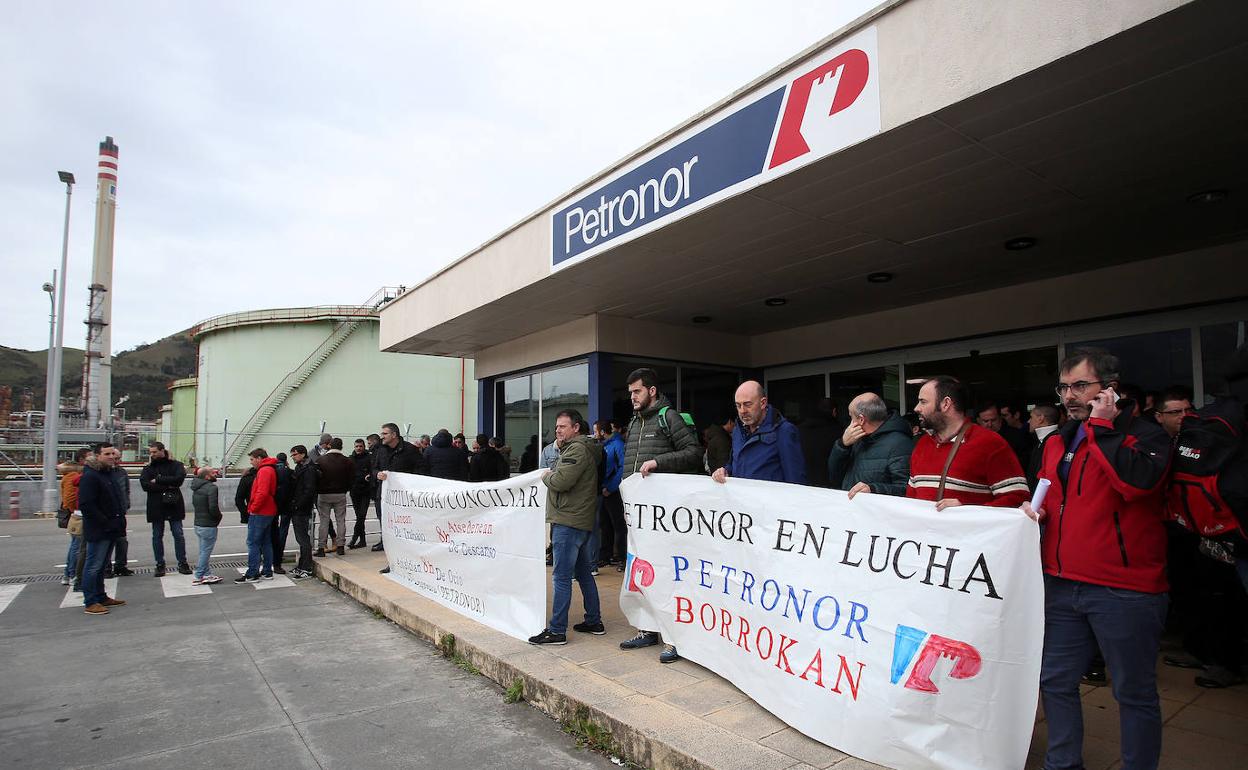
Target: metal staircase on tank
{"type": "Point", "coordinates": [287, 386]}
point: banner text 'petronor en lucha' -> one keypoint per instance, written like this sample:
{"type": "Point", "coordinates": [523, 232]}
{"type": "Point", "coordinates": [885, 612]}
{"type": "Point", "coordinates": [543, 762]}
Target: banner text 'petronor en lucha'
{"type": "Point", "coordinates": [820, 106]}
{"type": "Point", "coordinates": [879, 626]}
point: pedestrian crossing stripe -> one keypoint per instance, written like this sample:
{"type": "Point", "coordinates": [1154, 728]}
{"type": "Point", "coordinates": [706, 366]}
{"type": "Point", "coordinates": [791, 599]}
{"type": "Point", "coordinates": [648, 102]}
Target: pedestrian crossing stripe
{"type": "Point", "coordinates": [8, 593]}
{"type": "Point", "coordinates": [74, 598]}
{"type": "Point", "coordinates": [278, 581]}
{"type": "Point", "coordinates": [177, 584]}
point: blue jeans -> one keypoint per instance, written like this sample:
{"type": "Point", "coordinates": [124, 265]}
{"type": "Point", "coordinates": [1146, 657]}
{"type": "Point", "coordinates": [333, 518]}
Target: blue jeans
{"type": "Point", "coordinates": [71, 558]}
{"type": "Point", "coordinates": [1127, 625]}
{"type": "Point", "coordinates": [259, 544]}
{"type": "Point", "coordinates": [93, 572]}
{"type": "Point", "coordinates": [207, 540]}
{"type": "Point", "coordinates": [570, 548]}
{"type": "Point", "coordinates": [158, 541]}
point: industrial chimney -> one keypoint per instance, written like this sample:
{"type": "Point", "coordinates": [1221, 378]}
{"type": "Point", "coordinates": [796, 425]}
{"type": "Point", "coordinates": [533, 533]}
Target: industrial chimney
{"type": "Point", "coordinates": [97, 364]}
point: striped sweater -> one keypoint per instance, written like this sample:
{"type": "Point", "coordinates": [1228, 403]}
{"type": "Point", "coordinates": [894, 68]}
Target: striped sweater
{"type": "Point", "coordinates": [984, 472]}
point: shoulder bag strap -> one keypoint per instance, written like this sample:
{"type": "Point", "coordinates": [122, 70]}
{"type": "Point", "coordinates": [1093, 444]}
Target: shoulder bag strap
{"type": "Point", "coordinates": [944, 474]}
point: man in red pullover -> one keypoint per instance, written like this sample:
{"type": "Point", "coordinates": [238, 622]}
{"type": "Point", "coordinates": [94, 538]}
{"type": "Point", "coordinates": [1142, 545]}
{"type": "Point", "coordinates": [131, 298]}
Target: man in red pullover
{"type": "Point", "coordinates": [261, 509]}
{"type": "Point", "coordinates": [956, 462]}
{"type": "Point", "coordinates": [1104, 554]}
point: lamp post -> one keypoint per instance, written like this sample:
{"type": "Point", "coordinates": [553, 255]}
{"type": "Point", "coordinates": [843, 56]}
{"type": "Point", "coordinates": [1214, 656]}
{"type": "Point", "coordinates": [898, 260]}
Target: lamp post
{"type": "Point", "coordinates": [52, 406]}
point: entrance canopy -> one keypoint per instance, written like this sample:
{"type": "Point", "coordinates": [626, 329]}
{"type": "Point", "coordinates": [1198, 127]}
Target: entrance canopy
{"type": "Point", "coordinates": [1014, 143]}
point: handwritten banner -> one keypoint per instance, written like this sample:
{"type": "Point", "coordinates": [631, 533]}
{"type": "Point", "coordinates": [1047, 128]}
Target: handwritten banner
{"type": "Point", "coordinates": [878, 626]}
{"type": "Point", "coordinates": [475, 548]}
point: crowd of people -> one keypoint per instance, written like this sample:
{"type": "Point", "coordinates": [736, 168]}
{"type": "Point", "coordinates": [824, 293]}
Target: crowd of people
{"type": "Point", "coordinates": [1119, 564]}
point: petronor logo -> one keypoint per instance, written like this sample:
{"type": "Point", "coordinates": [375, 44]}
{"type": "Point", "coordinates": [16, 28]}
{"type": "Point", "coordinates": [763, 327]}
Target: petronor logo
{"type": "Point", "coordinates": [817, 96]}
{"type": "Point", "coordinates": [640, 573]}
{"type": "Point", "coordinates": [924, 650]}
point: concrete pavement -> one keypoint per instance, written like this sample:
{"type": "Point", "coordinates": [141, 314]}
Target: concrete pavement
{"type": "Point", "coordinates": [684, 716]}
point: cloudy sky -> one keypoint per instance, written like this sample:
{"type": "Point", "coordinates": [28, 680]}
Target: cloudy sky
{"type": "Point", "coordinates": [277, 154]}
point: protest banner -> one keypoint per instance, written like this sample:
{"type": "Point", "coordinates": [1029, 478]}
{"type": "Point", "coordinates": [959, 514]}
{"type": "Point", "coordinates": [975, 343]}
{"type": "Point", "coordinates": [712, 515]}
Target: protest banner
{"type": "Point", "coordinates": [475, 548]}
{"type": "Point", "coordinates": [879, 626]}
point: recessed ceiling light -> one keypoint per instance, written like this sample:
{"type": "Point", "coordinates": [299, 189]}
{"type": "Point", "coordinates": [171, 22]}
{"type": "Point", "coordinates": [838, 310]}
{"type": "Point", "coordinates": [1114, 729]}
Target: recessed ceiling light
{"type": "Point", "coordinates": [1018, 244]}
{"type": "Point", "coordinates": [1208, 196]}
{"type": "Point", "coordinates": [775, 301]}
{"type": "Point", "coordinates": [701, 319]}
{"type": "Point", "coordinates": [879, 277]}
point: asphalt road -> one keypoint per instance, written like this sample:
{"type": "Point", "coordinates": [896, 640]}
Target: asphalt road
{"type": "Point", "coordinates": [274, 675]}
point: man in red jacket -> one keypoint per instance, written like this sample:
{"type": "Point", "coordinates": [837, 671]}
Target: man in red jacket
{"type": "Point", "coordinates": [261, 509]}
{"type": "Point", "coordinates": [1104, 555]}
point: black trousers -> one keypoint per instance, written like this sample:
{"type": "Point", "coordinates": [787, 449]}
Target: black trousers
{"type": "Point", "coordinates": [360, 501]}
{"type": "Point", "coordinates": [614, 544]}
{"type": "Point", "coordinates": [279, 530]}
{"type": "Point", "coordinates": [302, 525]}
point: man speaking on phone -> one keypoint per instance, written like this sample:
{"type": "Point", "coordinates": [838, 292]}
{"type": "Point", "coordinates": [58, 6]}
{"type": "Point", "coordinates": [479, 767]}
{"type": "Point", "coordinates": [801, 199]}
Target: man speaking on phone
{"type": "Point", "coordinates": [1104, 555]}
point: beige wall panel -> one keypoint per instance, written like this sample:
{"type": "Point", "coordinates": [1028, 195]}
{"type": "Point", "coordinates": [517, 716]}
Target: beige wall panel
{"type": "Point", "coordinates": [934, 53]}
{"type": "Point", "coordinates": [573, 338]}
{"type": "Point", "coordinates": [647, 338]}
{"type": "Point", "coordinates": [1133, 288]}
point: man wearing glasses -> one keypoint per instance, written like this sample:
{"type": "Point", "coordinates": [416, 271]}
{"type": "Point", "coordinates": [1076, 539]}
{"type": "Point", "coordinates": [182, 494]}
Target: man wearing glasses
{"type": "Point", "coordinates": [1176, 403]}
{"type": "Point", "coordinates": [1104, 555]}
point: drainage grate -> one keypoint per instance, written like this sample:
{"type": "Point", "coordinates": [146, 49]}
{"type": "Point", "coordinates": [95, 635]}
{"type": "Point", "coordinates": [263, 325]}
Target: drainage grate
{"type": "Point", "coordinates": [50, 577]}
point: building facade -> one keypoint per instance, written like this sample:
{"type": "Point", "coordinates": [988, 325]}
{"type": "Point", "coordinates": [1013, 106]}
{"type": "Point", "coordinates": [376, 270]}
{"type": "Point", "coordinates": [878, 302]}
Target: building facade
{"type": "Point", "coordinates": [943, 186]}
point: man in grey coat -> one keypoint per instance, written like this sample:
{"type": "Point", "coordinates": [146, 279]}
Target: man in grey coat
{"type": "Point", "coordinates": [873, 454]}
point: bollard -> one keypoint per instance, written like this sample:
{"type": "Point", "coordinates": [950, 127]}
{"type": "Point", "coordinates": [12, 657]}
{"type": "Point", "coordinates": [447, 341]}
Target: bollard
{"type": "Point", "coordinates": [15, 504]}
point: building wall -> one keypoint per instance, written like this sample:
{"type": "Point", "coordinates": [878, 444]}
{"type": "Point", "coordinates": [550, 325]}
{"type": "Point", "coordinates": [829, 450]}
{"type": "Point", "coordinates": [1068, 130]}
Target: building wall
{"type": "Point", "coordinates": [354, 391]}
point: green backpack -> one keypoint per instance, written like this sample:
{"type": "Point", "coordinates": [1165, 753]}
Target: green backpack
{"type": "Point", "coordinates": [688, 418]}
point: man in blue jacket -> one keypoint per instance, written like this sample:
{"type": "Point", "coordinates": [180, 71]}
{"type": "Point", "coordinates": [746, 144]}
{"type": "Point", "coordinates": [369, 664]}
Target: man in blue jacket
{"type": "Point", "coordinates": [103, 509]}
{"type": "Point", "coordinates": [612, 523]}
{"type": "Point", "coordinates": [765, 446]}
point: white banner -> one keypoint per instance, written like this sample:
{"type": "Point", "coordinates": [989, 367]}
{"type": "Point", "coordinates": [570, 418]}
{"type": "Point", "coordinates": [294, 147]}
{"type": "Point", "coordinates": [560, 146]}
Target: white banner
{"type": "Point", "coordinates": [878, 626]}
{"type": "Point", "coordinates": [475, 548]}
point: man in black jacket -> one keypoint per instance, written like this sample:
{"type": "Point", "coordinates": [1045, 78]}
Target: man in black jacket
{"type": "Point", "coordinates": [487, 463]}
{"type": "Point", "coordinates": [103, 521]}
{"type": "Point", "coordinates": [281, 523]}
{"type": "Point", "coordinates": [361, 491]}
{"type": "Point", "coordinates": [335, 472]}
{"type": "Point", "coordinates": [162, 479]}
{"type": "Point", "coordinates": [446, 461]}
{"type": "Point", "coordinates": [302, 504]}
{"type": "Point", "coordinates": [393, 454]}
{"type": "Point", "coordinates": [873, 452]}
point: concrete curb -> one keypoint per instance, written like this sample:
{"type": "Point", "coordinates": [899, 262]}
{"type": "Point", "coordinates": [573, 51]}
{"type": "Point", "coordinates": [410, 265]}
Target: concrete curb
{"type": "Point", "coordinates": [645, 730]}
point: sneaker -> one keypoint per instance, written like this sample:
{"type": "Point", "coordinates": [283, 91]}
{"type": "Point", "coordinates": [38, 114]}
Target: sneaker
{"type": "Point", "coordinates": [277, 570]}
{"type": "Point", "coordinates": [594, 572]}
{"type": "Point", "coordinates": [1095, 676]}
{"type": "Point", "coordinates": [642, 639]}
{"type": "Point", "coordinates": [247, 579]}
{"type": "Point", "coordinates": [197, 581]}
{"type": "Point", "coordinates": [669, 654]}
{"type": "Point", "coordinates": [65, 580]}
{"type": "Point", "coordinates": [379, 547]}
{"type": "Point", "coordinates": [342, 551]}
{"type": "Point", "coordinates": [210, 579]}
{"type": "Point", "coordinates": [1182, 660]}
{"type": "Point", "coordinates": [160, 571]}
{"type": "Point", "coordinates": [619, 567]}
{"type": "Point", "coordinates": [298, 574]}
{"type": "Point", "coordinates": [384, 570]}
{"type": "Point", "coordinates": [184, 568]}
{"type": "Point", "coordinates": [360, 544]}
{"type": "Point", "coordinates": [111, 602]}
{"type": "Point", "coordinates": [96, 609]}
{"type": "Point", "coordinates": [597, 629]}
{"type": "Point", "coordinates": [319, 552]}
{"type": "Point", "coordinates": [267, 576]}
{"type": "Point", "coordinates": [1216, 677]}
{"type": "Point", "coordinates": [546, 637]}
{"type": "Point", "coordinates": [127, 572]}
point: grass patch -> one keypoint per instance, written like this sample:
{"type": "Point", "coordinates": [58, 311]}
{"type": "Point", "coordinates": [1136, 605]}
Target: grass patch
{"type": "Point", "coordinates": [588, 733]}
{"type": "Point", "coordinates": [379, 614]}
{"type": "Point", "coordinates": [446, 643]}
{"type": "Point", "coordinates": [515, 693]}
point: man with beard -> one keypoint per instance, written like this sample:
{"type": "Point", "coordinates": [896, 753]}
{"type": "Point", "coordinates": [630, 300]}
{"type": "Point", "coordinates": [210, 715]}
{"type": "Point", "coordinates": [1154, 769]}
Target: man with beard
{"type": "Point", "coordinates": [957, 462]}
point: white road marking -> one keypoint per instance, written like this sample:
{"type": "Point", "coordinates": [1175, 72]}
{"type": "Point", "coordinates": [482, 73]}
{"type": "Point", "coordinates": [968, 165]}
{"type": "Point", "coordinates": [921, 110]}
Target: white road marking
{"type": "Point", "coordinates": [128, 561]}
{"type": "Point", "coordinates": [8, 593]}
{"type": "Point", "coordinates": [176, 585]}
{"type": "Point", "coordinates": [74, 598]}
{"type": "Point", "coordinates": [4, 536]}
{"type": "Point", "coordinates": [278, 581]}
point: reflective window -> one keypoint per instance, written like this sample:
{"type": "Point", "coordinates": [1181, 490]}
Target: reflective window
{"type": "Point", "coordinates": [519, 415]}
{"type": "Point", "coordinates": [797, 397]}
{"type": "Point", "coordinates": [1152, 361]}
{"type": "Point", "coordinates": [1019, 378]}
{"type": "Point", "coordinates": [881, 380]}
{"type": "Point", "coordinates": [563, 388]}
{"type": "Point", "coordinates": [1217, 342]}
{"type": "Point", "coordinates": [706, 394]}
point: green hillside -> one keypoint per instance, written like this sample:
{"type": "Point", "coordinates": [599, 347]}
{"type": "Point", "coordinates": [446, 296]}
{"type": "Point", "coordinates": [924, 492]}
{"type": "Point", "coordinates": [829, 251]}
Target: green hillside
{"type": "Point", "coordinates": [142, 373]}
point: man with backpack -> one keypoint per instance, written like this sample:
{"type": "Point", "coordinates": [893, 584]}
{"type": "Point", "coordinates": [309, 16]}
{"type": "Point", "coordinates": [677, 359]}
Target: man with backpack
{"type": "Point", "coordinates": [659, 441]}
{"type": "Point", "coordinates": [1104, 554]}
